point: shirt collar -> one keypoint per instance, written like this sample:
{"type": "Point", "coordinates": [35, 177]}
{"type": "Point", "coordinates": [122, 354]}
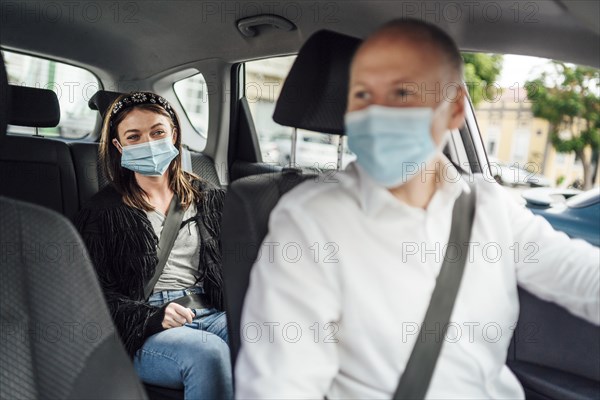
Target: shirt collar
{"type": "Point", "coordinates": [373, 197]}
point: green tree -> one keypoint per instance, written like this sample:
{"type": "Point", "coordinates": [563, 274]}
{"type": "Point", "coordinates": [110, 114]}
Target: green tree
{"type": "Point", "coordinates": [567, 97]}
{"type": "Point", "coordinates": [481, 72]}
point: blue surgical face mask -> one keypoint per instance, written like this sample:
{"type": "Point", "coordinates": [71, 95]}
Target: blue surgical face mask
{"type": "Point", "coordinates": [392, 144]}
{"type": "Point", "coordinates": [150, 158]}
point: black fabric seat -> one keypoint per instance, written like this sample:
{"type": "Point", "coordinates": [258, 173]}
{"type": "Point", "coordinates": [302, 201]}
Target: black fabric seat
{"type": "Point", "coordinates": [58, 339]}
{"type": "Point", "coordinates": [102, 99]}
{"type": "Point", "coordinates": [37, 169]}
{"type": "Point", "coordinates": [314, 98]}
{"type": "Point", "coordinates": [204, 166]}
{"type": "Point", "coordinates": [89, 175]}
{"type": "Point", "coordinates": [248, 204]}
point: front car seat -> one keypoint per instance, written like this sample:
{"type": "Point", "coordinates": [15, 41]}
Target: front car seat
{"type": "Point", "coordinates": [58, 340]}
{"type": "Point", "coordinates": [313, 98]}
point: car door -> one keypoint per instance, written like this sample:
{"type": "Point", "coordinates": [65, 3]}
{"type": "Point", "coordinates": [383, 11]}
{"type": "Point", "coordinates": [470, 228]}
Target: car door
{"type": "Point", "coordinates": [554, 354]}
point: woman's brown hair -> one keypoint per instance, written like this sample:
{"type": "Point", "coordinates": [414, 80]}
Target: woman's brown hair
{"type": "Point", "coordinates": [123, 179]}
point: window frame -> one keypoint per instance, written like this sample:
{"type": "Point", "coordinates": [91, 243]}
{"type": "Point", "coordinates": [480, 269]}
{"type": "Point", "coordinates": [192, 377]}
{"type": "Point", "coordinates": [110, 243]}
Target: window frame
{"type": "Point", "coordinates": [184, 109]}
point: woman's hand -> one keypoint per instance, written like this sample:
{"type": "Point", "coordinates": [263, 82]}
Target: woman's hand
{"type": "Point", "coordinates": [176, 315]}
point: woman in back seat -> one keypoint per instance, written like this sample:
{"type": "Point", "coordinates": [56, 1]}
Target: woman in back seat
{"type": "Point", "coordinates": [171, 345]}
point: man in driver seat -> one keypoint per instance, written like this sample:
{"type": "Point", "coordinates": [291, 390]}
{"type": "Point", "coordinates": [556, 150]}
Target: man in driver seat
{"type": "Point", "coordinates": [341, 318]}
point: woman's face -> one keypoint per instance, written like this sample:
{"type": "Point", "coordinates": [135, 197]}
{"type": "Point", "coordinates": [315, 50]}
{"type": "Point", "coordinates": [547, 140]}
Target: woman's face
{"type": "Point", "coordinates": [141, 126]}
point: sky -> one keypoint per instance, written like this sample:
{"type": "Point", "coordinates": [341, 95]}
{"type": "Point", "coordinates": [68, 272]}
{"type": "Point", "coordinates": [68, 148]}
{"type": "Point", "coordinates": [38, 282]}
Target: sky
{"type": "Point", "coordinates": [520, 69]}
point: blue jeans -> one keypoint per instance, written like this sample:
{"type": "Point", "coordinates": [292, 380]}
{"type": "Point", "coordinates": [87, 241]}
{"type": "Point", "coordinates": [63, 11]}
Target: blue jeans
{"type": "Point", "coordinates": [194, 357]}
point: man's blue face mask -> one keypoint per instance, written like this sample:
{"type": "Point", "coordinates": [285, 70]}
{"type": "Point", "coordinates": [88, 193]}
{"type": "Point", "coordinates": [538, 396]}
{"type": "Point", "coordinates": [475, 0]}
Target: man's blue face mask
{"type": "Point", "coordinates": [150, 158]}
{"type": "Point", "coordinates": [392, 144]}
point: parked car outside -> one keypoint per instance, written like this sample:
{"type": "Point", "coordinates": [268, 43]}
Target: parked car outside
{"type": "Point", "coordinates": [313, 150]}
{"type": "Point", "coordinates": [516, 175]}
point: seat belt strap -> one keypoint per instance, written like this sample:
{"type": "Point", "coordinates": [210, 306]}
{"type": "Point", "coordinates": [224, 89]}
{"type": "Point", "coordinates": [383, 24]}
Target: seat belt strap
{"type": "Point", "coordinates": [414, 382]}
{"type": "Point", "coordinates": [186, 159]}
{"type": "Point", "coordinates": [166, 241]}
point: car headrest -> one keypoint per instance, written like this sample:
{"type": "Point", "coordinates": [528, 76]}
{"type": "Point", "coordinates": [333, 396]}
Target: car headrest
{"type": "Point", "coordinates": [4, 98]}
{"type": "Point", "coordinates": [314, 94]}
{"type": "Point", "coordinates": [33, 107]}
{"type": "Point", "coordinates": [102, 99]}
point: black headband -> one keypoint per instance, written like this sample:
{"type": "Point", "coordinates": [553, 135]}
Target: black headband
{"type": "Point", "coordinates": [138, 98]}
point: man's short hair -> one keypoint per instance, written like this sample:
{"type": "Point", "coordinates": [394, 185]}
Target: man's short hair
{"type": "Point", "coordinates": [424, 30]}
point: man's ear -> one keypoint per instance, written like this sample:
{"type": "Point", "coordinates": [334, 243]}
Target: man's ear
{"type": "Point", "coordinates": [457, 110]}
{"type": "Point", "coordinates": [116, 143]}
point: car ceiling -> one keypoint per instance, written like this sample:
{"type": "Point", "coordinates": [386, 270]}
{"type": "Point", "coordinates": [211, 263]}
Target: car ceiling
{"type": "Point", "coordinates": [138, 40]}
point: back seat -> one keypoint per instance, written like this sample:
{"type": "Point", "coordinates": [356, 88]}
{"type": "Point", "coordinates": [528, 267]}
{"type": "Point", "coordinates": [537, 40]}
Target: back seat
{"type": "Point", "coordinates": [55, 174]}
{"type": "Point", "coordinates": [33, 168]}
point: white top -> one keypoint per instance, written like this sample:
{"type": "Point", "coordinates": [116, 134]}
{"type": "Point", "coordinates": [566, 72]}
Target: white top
{"type": "Point", "coordinates": [181, 269]}
{"type": "Point", "coordinates": [346, 273]}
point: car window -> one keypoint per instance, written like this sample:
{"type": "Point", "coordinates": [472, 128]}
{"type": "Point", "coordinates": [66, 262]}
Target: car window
{"type": "Point", "coordinates": [192, 93]}
{"type": "Point", "coordinates": [73, 86]}
{"type": "Point", "coordinates": [539, 120]}
{"type": "Point", "coordinates": [263, 82]}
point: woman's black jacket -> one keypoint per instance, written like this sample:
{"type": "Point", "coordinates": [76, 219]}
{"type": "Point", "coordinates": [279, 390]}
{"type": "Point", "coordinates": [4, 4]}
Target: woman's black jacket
{"type": "Point", "coordinates": [122, 246]}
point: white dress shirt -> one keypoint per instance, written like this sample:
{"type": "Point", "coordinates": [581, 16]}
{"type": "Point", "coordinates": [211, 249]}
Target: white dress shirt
{"type": "Point", "coordinates": [346, 272]}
